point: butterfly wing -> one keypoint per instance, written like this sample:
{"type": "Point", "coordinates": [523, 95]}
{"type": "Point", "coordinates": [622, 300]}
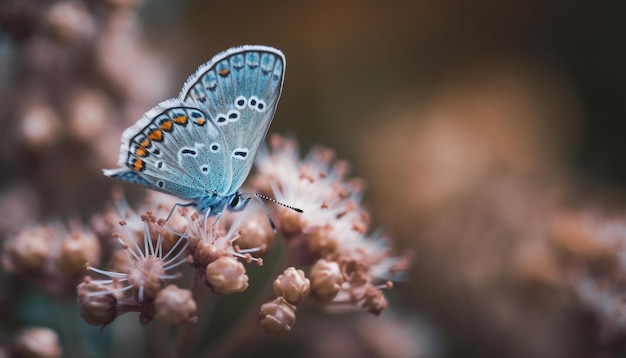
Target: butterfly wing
{"type": "Point", "coordinates": [240, 89]}
{"type": "Point", "coordinates": [176, 149]}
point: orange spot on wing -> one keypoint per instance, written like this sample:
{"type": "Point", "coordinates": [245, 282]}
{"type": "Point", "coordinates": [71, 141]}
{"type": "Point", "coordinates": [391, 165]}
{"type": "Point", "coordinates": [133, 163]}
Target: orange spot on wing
{"type": "Point", "coordinates": [200, 121]}
{"type": "Point", "coordinates": [138, 165]}
{"type": "Point", "coordinates": [180, 120]}
{"type": "Point", "coordinates": [156, 135]}
{"type": "Point", "coordinates": [141, 151]}
{"type": "Point", "coordinates": [145, 143]}
{"type": "Point", "coordinates": [224, 72]}
{"type": "Point", "coordinates": [166, 126]}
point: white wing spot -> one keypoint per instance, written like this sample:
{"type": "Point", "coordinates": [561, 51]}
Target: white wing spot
{"type": "Point", "coordinates": [221, 119]}
{"type": "Point", "coordinates": [189, 152]}
{"type": "Point", "coordinates": [240, 102]}
{"type": "Point", "coordinates": [253, 101]}
{"type": "Point", "coordinates": [233, 115]}
{"type": "Point", "coordinates": [260, 106]}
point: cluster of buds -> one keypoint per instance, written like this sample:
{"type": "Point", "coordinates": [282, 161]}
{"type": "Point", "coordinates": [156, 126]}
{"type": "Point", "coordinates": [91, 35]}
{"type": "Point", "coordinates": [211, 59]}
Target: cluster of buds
{"type": "Point", "coordinates": [51, 255]}
{"type": "Point", "coordinates": [216, 255]}
{"type": "Point", "coordinates": [279, 315]}
{"type": "Point", "coordinates": [348, 268]}
{"type": "Point", "coordinates": [140, 276]}
{"type": "Point", "coordinates": [329, 254]}
{"type": "Point", "coordinates": [139, 273]}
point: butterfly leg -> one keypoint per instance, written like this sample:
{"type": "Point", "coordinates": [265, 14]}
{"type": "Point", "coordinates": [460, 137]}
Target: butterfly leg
{"type": "Point", "coordinates": [267, 212]}
{"type": "Point", "coordinates": [217, 218]}
{"type": "Point", "coordinates": [178, 205]}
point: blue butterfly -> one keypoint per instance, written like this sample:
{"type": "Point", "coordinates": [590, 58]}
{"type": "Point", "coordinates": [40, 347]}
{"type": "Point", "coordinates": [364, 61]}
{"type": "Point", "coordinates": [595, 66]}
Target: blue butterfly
{"type": "Point", "coordinates": [201, 145]}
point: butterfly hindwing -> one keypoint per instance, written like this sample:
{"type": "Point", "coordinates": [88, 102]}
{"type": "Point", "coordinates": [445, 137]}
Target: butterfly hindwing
{"type": "Point", "coordinates": [175, 148]}
{"type": "Point", "coordinates": [239, 90]}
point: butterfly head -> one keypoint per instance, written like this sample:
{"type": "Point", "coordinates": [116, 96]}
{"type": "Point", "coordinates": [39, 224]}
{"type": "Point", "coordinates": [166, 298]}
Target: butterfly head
{"type": "Point", "coordinates": [215, 204]}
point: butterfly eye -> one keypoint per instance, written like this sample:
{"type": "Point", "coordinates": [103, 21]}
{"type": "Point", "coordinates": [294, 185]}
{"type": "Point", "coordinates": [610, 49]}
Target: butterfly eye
{"type": "Point", "coordinates": [237, 203]}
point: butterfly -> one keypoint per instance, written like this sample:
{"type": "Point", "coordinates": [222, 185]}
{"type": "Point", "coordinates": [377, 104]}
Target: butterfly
{"type": "Point", "coordinates": [200, 146]}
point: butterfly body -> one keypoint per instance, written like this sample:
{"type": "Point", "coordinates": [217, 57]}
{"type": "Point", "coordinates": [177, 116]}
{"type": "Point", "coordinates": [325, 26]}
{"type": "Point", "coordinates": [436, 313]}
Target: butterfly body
{"type": "Point", "coordinates": [201, 145]}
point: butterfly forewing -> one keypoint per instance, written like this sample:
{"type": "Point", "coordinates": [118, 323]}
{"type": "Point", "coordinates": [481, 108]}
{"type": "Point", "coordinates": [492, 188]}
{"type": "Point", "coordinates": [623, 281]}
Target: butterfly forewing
{"type": "Point", "coordinates": [239, 89]}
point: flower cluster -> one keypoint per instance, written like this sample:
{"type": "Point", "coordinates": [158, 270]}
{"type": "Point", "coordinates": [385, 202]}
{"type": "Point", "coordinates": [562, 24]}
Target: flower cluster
{"type": "Point", "coordinates": [348, 268]}
{"type": "Point", "coordinates": [328, 242]}
{"type": "Point", "coordinates": [51, 255]}
{"type": "Point", "coordinates": [154, 242]}
{"type": "Point", "coordinates": [154, 251]}
{"type": "Point", "coordinates": [144, 263]}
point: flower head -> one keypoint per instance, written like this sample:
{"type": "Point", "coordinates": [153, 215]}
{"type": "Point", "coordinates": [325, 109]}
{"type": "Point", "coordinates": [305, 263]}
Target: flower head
{"type": "Point", "coordinates": [144, 273]}
{"type": "Point", "coordinates": [351, 268]}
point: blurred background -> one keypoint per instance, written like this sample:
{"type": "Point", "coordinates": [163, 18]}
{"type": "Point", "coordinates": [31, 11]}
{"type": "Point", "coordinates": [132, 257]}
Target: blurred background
{"type": "Point", "coordinates": [490, 135]}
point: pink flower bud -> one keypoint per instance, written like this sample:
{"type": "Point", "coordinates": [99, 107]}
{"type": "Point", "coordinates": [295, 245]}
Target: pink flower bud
{"type": "Point", "coordinates": [277, 317]}
{"type": "Point", "coordinates": [326, 280]}
{"type": "Point", "coordinates": [38, 342]}
{"type": "Point", "coordinates": [292, 285]}
{"type": "Point", "coordinates": [175, 305]}
{"type": "Point", "coordinates": [226, 275]}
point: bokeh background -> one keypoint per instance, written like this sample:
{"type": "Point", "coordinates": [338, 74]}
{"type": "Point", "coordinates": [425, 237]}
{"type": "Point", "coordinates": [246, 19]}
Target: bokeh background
{"type": "Point", "coordinates": [490, 134]}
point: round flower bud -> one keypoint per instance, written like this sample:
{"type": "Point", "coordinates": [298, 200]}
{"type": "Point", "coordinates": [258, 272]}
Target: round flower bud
{"type": "Point", "coordinates": [70, 21]}
{"type": "Point", "coordinates": [120, 261]}
{"type": "Point", "coordinates": [277, 317]}
{"type": "Point", "coordinates": [38, 342]}
{"type": "Point", "coordinates": [98, 307]}
{"type": "Point", "coordinates": [147, 273]}
{"type": "Point", "coordinates": [175, 305]}
{"type": "Point", "coordinates": [292, 285]}
{"type": "Point", "coordinates": [256, 232]}
{"type": "Point", "coordinates": [290, 222]}
{"type": "Point", "coordinates": [326, 280]}
{"type": "Point", "coordinates": [88, 114]}
{"type": "Point", "coordinates": [30, 250]}
{"type": "Point", "coordinates": [75, 250]}
{"type": "Point", "coordinates": [204, 253]}
{"type": "Point", "coordinates": [40, 126]}
{"type": "Point", "coordinates": [375, 302]}
{"type": "Point", "coordinates": [226, 275]}
{"type": "Point", "coordinates": [322, 241]}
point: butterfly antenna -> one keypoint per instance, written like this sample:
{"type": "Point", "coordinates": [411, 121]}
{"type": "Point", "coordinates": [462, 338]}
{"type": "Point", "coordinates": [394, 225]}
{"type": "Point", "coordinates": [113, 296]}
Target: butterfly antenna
{"type": "Point", "coordinates": [261, 196]}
